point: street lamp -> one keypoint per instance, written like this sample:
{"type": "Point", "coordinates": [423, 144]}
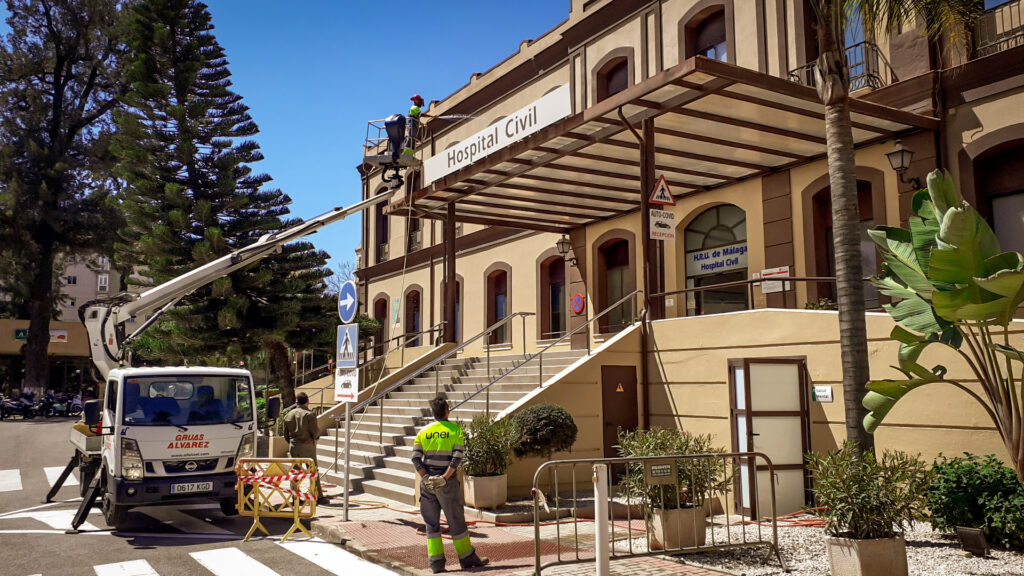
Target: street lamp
{"type": "Point", "coordinates": [899, 160]}
{"type": "Point", "coordinates": [564, 246]}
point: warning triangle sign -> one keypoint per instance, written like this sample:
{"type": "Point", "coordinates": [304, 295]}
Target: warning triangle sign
{"type": "Point", "coordinates": [661, 194]}
{"type": "Point", "coordinates": [619, 389]}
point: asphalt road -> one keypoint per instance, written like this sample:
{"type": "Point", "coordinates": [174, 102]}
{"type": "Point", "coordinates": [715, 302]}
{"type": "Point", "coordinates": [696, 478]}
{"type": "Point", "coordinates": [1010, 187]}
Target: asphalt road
{"type": "Point", "coordinates": [183, 540]}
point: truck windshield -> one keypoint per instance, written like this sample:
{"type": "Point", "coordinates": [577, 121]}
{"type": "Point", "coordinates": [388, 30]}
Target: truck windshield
{"type": "Point", "coordinates": [178, 400]}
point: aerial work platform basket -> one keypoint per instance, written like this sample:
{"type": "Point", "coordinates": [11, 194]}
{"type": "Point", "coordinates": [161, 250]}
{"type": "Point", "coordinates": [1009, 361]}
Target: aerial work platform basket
{"type": "Point", "coordinates": [391, 145]}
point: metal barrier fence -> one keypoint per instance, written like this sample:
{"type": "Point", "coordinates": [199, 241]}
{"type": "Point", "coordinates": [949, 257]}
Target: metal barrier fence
{"type": "Point", "coordinates": [679, 504]}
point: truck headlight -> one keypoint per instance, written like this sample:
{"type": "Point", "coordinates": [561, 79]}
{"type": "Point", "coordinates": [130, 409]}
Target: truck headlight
{"type": "Point", "coordinates": [131, 460]}
{"type": "Point", "coordinates": [247, 446]}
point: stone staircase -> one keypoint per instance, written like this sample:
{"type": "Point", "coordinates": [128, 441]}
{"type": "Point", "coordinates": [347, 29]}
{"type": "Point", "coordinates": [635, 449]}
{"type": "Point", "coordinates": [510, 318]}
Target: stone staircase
{"type": "Point", "coordinates": [381, 462]}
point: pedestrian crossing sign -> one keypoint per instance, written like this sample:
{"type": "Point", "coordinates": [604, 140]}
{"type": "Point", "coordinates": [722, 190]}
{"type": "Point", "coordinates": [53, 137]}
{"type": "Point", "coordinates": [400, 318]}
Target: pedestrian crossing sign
{"type": "Point", "coordinates": [661, 194]}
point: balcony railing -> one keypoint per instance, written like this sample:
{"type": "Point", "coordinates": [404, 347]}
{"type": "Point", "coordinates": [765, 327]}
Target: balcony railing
{"type": "Point", "coordinates": [382, 252]}
{"type": "Point", "coordinates": [868, 68]}
{"type": "Point", "coordinates": [999, 29]}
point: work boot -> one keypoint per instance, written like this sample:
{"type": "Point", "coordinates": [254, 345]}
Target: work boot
{"type": "Point", "coordinates": [437, 566]}
{"type": "Point", "coordinates": [473, 561]}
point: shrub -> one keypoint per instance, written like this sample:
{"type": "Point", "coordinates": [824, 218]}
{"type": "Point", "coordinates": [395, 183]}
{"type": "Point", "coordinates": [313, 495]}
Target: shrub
{"type": "Point", "coordinates": [978, 492]}
{"type": "Point", "coordinates": [822, 304]}
{"type": "Point", "coordinates": [543, 430]}
{"type": "Point", "coordinates": [489, 446]}
{"type": "Point", "coordinates": [861, 497]}
{"type": "Point", "coordinates": [697, 479]}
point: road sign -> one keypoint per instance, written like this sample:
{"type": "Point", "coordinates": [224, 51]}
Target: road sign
{"type": "Point", "coordinates": [348, 345]}
{"type": "Point", "coordinates": [346, 385]}
{"type": "Point", "coordinates": [661, 194]}
{"type": "Point", "coordinates": [663, 225]}
{"type": "Point", "coordinates": [579, 303]}
{"type": "Point", "coordinates": [348, 302]}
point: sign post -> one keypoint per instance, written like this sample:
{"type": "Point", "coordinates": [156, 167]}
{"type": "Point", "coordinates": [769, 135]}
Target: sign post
{"type": "Point", "coordinates": [346, 387]}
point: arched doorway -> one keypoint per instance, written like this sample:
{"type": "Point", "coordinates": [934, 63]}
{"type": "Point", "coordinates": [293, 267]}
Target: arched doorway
{"type": "Point", "coordinates": [824, 254]}
{"type": "Point", "coordinates": [999, 187]}
{"type": "Point", "coordinates": [380, 315]}
{"type": "Point", "coordinates": [552, 297]}
{"type": "Point", "coordinates": [497, 305]}
{"type": "Point", "coordinates": [715, 244]}
{"type": "Point", "coordinates": [412, 318]}
{"type": "Point", "coordinates": [615, 280]}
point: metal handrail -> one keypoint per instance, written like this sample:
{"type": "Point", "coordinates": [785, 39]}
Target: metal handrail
{"type": "Point", "coordinates": [487, 402]}
{"type": "Point", "coordinates": [381, 395]}
{"type": "Point", "coordinates": [999, 28]}
{"type": "Point", "coordinates": [378, 359]}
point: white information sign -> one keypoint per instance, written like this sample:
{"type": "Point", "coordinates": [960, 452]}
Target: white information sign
{"type": "Point", "coordinates": [663, 225]}
{"type": "Point", "coordinates": [348, 345]}
{"type": "Point", "coordinates": [770, 286]}
{"type": "Point", "coordinates": [346, 385]}
{"type": "Point", "coordinates": [549, 109]}
{"type": "Point", "coordinates": [822, 393]}
{"type": "Point", "coordinates": [715, 260]}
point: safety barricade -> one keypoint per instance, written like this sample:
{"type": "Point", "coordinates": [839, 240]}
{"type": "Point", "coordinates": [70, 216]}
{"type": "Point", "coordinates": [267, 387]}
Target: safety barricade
{"type": "Point", "coordinates": [276, 488]}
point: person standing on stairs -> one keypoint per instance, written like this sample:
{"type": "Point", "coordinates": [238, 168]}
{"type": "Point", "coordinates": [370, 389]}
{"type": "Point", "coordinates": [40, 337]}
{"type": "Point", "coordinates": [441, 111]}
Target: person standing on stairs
{"type": "Point", "coordinates": [436, 455]}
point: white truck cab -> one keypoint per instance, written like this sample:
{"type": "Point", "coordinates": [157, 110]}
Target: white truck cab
{"type": "Point", "coordinates": [174, 434]}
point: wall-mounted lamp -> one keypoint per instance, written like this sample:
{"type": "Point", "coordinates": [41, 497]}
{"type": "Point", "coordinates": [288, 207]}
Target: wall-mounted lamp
{"type": "Point", "coordinates": [900, 159]}
{"type": "Point", "coordinates": [564, 246]}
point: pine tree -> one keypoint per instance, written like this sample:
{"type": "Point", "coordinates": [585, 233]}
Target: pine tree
{"type": "Point", "coordinates": [59, 81]}
{"type": "Point", "coordinates": [191, 196]}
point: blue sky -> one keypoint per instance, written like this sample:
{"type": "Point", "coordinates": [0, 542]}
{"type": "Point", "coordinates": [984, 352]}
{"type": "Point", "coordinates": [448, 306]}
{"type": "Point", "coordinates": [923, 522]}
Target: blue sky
{"type": "Point", "coordinates": [314, 72]}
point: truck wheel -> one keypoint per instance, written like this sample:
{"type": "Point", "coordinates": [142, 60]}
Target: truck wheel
{"type": "Point", "coordinates": [229, 507]}
{"type": "Point", "coordinates": [114, 515]}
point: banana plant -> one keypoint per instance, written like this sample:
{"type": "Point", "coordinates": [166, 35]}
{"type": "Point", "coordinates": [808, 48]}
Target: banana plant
{"type": "Point", "coordinates": [952, 286]}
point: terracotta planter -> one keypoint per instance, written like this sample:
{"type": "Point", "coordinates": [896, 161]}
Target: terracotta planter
{"type": "Point", "coordinates": [849, 557]}
{"type": "Point", "coordinates": [486, 491]}
{"type": "Point", "coordinates": [678, 528]}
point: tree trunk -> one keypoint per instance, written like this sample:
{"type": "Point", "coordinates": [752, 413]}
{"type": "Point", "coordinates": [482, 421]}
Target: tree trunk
{"type": "Point", "coordinates": [853, 342]}
{"type": "Point", "coordinates": [281, 370]}
{"type": "Point", "coordinates": [37, 361]}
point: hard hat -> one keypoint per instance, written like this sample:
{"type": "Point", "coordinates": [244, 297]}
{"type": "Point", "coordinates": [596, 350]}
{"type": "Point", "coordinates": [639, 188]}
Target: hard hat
{"type": "Point", "coordinates": [416, 98]}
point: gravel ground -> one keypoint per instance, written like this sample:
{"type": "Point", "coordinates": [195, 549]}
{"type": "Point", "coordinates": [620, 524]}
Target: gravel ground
{"type": "Point", "coordinates": [928, 554]}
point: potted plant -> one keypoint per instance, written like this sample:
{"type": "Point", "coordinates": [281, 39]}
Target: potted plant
{"type": "Point", "coordinates": [675, 512]}
{"type": "Point", "coordinates": [486, 461]}
{"type": "Point", "coordinates": [867, 503]}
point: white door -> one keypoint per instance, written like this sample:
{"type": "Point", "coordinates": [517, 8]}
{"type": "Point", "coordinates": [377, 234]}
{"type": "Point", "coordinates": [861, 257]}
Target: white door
{"type": "Point", "coordinates": [769, 415]}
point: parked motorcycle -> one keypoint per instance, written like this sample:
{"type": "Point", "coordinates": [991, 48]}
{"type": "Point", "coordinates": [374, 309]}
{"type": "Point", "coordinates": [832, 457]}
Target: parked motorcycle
{"type": "Point", "coordinates": [53, 404]}
{"type": "Point", "coordinates": [74, 405]}
{"type": "Point", "coordinates": [23, 406]}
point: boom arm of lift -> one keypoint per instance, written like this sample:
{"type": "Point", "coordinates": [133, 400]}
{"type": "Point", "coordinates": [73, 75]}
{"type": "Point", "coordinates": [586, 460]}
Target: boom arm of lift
{"type": "Point", "coordinates": [105, 319]}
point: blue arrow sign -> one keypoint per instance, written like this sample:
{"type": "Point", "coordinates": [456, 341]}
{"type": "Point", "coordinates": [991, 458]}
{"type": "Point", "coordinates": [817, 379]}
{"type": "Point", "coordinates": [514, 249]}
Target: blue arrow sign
{"type": "Point", "coordinates": [347, 302]}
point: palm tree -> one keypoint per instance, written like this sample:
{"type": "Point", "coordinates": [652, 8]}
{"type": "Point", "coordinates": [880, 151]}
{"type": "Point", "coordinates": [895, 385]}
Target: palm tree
{"type": "Point", "coordinates": [943, 19]}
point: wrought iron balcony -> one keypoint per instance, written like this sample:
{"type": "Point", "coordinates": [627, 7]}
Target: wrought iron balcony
{"type": "Point", "coordinates": [868, 68]}
{"type": "Point", "coordinates": [999, 29]}
{"type": "Point", "coordinates": [382, 252]}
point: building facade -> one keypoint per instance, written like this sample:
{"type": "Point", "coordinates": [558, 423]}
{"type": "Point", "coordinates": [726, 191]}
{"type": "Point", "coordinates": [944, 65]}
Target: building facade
{"type": "Point", "coordinates": [569, 137]}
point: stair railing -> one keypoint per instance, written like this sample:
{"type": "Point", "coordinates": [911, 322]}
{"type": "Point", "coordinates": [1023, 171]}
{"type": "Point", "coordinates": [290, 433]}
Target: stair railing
{"type": "Point", "coordinates": [433, 364]}
{"type": "Point", "coordinates": [634, 296]}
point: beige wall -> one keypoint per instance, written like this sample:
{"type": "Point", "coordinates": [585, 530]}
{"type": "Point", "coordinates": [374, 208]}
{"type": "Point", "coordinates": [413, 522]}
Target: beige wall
{"type": "Point", "coordinates": [77, 344]}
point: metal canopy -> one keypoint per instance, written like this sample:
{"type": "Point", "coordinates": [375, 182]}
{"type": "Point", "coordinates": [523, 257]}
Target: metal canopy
{"type": "Point", "coordinates": [715, 124]}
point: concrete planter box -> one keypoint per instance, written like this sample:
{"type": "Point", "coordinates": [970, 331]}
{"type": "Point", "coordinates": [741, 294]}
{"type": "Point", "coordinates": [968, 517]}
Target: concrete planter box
{"type": "Point", "coordinates": [278, 447]}
{"type": "Point", "coordinates": [849, 557]}
{"type": "Point", "coordinates": [486, 491]}
{"type": "Point", "coordinates": [678, 528]}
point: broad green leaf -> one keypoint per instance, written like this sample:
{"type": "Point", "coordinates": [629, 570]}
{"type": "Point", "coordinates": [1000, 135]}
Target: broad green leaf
{"type": "Point", "coordinates": [968, 303]}
{"type": "Point", "coordinates": [1006, 282]}
{"type": "Point", "coordinates": [942, 191]}
{"type": "Point", "coordinates": [897, 249]}
{"type": "Point", "coordinates": [904, 336]}
{"type": "Point", "coordinates": [923, 232]}
{"type": "Point", "coordinates": [915, 314]}
{"type": "Point", "coordinates": [922, 205]}
{"type": "Point", "coordinates": [891, 287]}
{"type": "Point", "coordinates": [882, 396]}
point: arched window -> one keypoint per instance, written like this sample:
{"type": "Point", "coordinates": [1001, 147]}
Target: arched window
{"type": "Point", "coordinates": [615, 280]}
{"type": "Point", "coordinates": [552, 297]}
{"type": "Point", "coordinates": [380, 314]}
{"type": "Point", "coordinates": [412, 318]}
{"type": "Point", "coordinates": [1001, 192]}
{"type": "Point", "coordinates": [825, 263]}
{"type": "Point", "coordinates": [707, 30]}
{"type": "Point", "coordinates": [497, 305]}
{"type": "Point", "coordinates": [716, 253]}
{"type": "Point", "coordinates": [380, 236]}
{"type": "Point", "coordinates": [614, 80]}
{"type": "Point", "coordinates": [709, 37]}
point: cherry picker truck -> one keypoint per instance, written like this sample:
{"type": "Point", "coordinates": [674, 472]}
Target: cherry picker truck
{"type": "Point", "coordinates": [164, 436]}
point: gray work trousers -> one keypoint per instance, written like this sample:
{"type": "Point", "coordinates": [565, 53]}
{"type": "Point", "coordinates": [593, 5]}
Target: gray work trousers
{"type": "Point", "coordinates": [306, 450]}
{"type": "Point", "coordinates": [449, 500]}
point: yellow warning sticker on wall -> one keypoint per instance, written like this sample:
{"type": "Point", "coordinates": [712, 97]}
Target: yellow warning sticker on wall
{"type": "Point", "coordinates": [619, 389]}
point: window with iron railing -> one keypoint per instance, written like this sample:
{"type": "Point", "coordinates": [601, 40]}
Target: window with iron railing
{"type": "Point", "coordinates": [999, 28]}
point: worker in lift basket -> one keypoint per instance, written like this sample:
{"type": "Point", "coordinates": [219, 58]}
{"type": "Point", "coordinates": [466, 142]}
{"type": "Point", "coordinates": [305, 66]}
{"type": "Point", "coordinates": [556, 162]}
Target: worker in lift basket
{"type": "Point", "coordinates": [436, 455]}
{"type": "Point", "coordinates": [413, 125]}
{"type": "Point", "coordinates": [301, 431]}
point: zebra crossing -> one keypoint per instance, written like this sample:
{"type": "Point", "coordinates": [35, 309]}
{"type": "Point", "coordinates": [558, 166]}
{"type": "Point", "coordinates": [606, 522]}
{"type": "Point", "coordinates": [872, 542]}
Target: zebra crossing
{"type": "Point", "coordinates": [13, 480]}
{"type": "Point", "coordinates": [232, 560]}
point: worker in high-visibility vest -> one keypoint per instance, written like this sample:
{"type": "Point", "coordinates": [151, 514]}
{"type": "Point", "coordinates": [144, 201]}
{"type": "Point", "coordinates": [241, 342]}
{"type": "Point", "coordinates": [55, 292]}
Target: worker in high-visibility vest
{"type": "Point", "coordinates": [436, 455]}
{"type": "Point", "coordinates": [413, 124]}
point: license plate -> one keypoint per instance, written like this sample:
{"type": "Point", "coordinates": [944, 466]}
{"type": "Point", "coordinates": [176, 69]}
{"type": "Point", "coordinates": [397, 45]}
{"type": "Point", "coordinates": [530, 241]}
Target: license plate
{"type": "Point", "coordinates": [189, 487]}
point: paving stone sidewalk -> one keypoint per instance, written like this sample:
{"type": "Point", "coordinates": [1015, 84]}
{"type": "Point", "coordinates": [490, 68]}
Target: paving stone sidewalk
{"type": "Point", "coordinates": [390, 534]}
